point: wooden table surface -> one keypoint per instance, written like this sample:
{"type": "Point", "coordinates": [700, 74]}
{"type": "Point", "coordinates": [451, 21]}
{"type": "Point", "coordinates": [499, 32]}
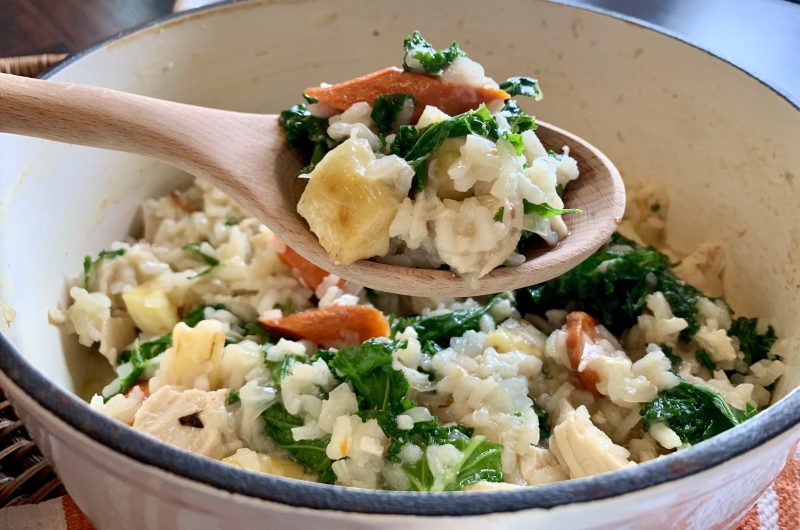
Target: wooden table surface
{"type": "Point", "coordinates": [29, 27]}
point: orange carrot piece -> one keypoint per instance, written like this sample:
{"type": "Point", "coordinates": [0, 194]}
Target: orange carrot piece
{"type": "Point", "coordinates": [580, 324]}
{"type": "Point", "coordinates": [311, 275]}
{"type": "Point", "coordinates": [333, 326]}
{"type": "Point", "coordinates": [427, 90]}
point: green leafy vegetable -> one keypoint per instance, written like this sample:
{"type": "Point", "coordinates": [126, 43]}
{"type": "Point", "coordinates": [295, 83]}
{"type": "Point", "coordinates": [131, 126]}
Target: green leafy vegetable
{"type": "Point", "coordinates": [417, 146]}
{"type": "Point", "coordinates": [255, 329]}
{"type": "Point", "coordinates": [545, 211]}
{"type": "Point", "coordinates": [515, 140]}
{"type": "Point", "coordinates": [280, 369]}
{"type": "Point", "coordinates": [705, 359]}
{"type": "Point", "coordinates": [233, 397]}
{"type": "Point", "coordinates": [197, 250]}
{"type": "Point", "coordinates": [754, 345]}
{"type": "Point", "coordinates": [522, 86]}
{"type": "Point", "coordinates": [441, 328]}
{"type": "Point", "coordinates": [421, 57]}
{"type": "Point", "coordinates": [498, 217]}
{"type": "Point", "coordinates": [89, 264]}
{"type": "Point", "coordinates": [231, 221]}
{"type": "Point", "coordinates": [368, 367]}
{"type": "Point", "coordinates": [694, 412]}
{"type": "Point", "coordinates": [311, 453]}
{"type": "Point", "coordinates": [306, 132]}
{"type": "Point", "coordinates": [386, 109]}
{"type": "Point", "coordinates": [612, 285]}
{"type": "Point", "coordinates": [544, 428]}
{"type": "Point", "coordinates": [518, 120]}
{"type": "Point", "coordinates": [674, 360]}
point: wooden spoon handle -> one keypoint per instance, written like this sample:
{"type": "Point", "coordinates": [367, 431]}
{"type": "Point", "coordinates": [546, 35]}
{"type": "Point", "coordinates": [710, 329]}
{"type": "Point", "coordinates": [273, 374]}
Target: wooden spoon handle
{"type": "Point", "coordinates": [196, 139]}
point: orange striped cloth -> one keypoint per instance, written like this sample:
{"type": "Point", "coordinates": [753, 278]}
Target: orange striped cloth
{"type": "Point", "coordinates": [777, 509]}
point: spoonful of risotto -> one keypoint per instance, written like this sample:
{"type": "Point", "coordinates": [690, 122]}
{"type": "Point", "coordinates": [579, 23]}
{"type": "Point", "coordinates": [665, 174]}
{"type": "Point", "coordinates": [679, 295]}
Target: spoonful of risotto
{"type": "Point", "coordinates": [425, 180]}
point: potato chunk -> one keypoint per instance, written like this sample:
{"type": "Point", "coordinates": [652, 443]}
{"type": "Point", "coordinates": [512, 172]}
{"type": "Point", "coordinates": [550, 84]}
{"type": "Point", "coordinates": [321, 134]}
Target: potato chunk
{"type": "Point", "coordinates": [151, 309]}
{"type": "Point", "coordinates": [351, 199]}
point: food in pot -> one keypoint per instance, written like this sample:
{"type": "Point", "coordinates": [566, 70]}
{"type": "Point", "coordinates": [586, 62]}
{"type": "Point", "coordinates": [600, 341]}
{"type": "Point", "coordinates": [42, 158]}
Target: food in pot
{"type": "Point", "coordinates": [229, 345]}
{"type": "Point", "coordinates": [432, 165]}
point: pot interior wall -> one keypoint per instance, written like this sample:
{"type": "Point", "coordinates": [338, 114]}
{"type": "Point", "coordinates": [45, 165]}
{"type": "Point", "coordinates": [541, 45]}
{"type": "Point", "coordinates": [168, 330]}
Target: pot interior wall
{"type": "Point", "coordinates": [662, 110]}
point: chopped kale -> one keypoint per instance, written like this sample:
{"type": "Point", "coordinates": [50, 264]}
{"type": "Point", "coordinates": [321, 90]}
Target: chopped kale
{"type": "Point", "coordinates": [231, 221]}
{"type": "Point", "coordinates": [417, 146]}
{"type": "Point", "coordinates": [498, 217]}
{"type": "Point", "coordinates": [522, 86]}
{"type": "Point", "coordinates": [306, 132]}
{"type": "Point", "coordinates": [233, 397]}
{"type": "Point", "coordinates": [545, 211]}
{"type": "Point", "coordinates": [89, 264]}
{"type": "Point", "coordinates": [280, 369]}
{"type": "Point", "coordinates": [197, 314]}
{"type": "Point", "coordinates": [368, 367]}
{"type": "Point", "coordinates": [544, 428]}
{"type": "Point", "coordinates": [197, 250]}
{"type": "Point", "coordinates": [256, 329]}
{"type": "Point", "coordinates": [311, 453]}
{"type": "Point", "coordinates": [674, 360]}
{"type": "Point", "coordinates": [612, 285]}
{"type": "Point", "coordinates": [191, 420]}
{"type": "Point", "coordinates": [423, 58]}
{"type": "Point", "coordinates": [754, 345]}
{"type": "Point", "coordinates": [518, 120]}
{"type": "Point", "coordinates": [694, 412]}
{"type": "Point", "coordinates": [386, 108]}
{"type": "Point", "coordinates": [705, 359]}
{"type": "Point", "coordinates": [515, 141]}
{"type": "Point", "coordinates": [441, 328]}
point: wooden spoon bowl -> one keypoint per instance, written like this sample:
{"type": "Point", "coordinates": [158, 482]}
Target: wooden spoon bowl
{"type": "Point", "coordinates": [246, 156]}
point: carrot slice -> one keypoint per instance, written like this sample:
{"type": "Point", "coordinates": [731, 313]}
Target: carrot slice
{"type": "Point", "coordinates": [333, 326]}
{"type": "Point", "coordinates": [427, 90]}
{"type": "Point", "coordinates": [311, 275]}
{"type": "Point", "coordinates": [580, 325]}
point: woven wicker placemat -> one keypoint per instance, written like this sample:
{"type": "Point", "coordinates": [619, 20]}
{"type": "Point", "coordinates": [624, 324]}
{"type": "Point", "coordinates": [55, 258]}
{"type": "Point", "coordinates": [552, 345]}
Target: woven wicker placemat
{"type": "Point", "coordinates": [25, 476]}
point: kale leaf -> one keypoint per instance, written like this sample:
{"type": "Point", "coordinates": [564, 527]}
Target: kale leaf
{"type": "Point", "coordinates": [306, 132]}
{"type": "Point", "coordinates": [421, 57]}
{"type": "Point", "coordinates": [232, 397]}
{"type": "Point", "coordinates": [518, 120]}
{"type": "Point", "coordinates": [754, 345]}
{"type": "Point", "coordinates": [89, 264]}
{"type": "Point", "coordinates": [280, 369]}
{"type": "Point", "coordinates": [522, 86]}
{"type": "Point", "coordinates": [515, 141]}
{"type": "Point", "coordinates": [694, 412]}
{"type": "Point", "coordinates": [368, 367]}
{"type": "Point", "coordinates": [545, 211]}
{"type": "Point", "coordinates": [441, 328]}
{"type": "Point", "coordinates": [311, 453]}
{"type": "Point", "coordinates": [705, 359]}
{"type": "Point", "coordinates": [612, 285]}
{"type": "Point", "coordinates": [498, 216]}
{"type": "Point", "coordinates": [197, 250]}
{"type": "Point", "coordinates": [386, 108]}
{"type": "Point", "coordinates": [417, 146]}
{"type": "Point", "coordinates": [544, 428]}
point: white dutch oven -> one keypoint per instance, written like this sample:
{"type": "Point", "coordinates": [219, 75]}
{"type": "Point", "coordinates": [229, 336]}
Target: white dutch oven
{"type": "Point", "coordinates": [724, 142]}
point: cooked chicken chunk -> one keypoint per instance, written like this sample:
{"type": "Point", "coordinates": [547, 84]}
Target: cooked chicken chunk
{"type": "Point", "coordinates": [582, 448]}
{"type": "Point", "coordinates": [190, 419]}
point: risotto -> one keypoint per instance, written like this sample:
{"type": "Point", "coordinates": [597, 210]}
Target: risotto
{"type": "Point", "coordinates": [229, 345]}
{"type": "Point", "coordinates": [432, 165]}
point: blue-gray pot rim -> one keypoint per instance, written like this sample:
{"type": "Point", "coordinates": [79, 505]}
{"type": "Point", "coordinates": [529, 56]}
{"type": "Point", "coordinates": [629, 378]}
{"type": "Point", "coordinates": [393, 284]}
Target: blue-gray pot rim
{"type": "Point", "coordinates": [767, 425]}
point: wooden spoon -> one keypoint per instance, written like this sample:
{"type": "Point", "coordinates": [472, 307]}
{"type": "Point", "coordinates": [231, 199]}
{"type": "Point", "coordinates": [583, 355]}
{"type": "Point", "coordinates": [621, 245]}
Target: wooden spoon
{"type": "Point", "coordinates": [246, 156]}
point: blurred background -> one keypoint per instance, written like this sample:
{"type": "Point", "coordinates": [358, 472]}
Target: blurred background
{"type": "Point", "coordinates": [761, 35]}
